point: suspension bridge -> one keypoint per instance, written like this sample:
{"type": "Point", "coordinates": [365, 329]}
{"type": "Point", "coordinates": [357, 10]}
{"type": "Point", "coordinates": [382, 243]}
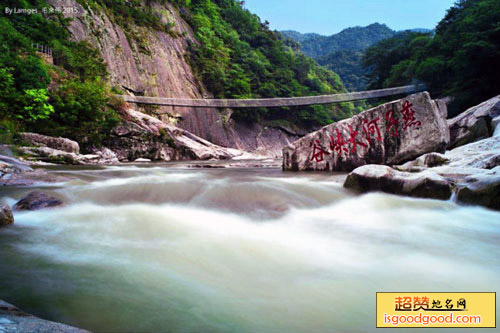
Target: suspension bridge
{"type": "Point", "coordinates": [273, 102]}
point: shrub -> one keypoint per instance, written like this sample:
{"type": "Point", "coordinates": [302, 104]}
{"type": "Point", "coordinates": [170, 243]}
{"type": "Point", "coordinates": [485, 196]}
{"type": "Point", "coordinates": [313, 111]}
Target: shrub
{"type": "Point", "coordinates": [35, 106]}
{"type": "Point", "coordinates": [82, 112]}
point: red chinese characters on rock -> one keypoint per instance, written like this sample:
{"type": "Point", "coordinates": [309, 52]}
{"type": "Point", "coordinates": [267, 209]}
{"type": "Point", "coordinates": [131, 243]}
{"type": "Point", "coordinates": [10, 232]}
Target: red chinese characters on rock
{"type": "Point", "coordinates": [371, 131]}
{"type": "Point", "coordinates": [408, 113]}
{"type": "Point", "coordinates": [353, 141]}
{"type": "Point", "coordinates": [371, 128]}
{"type": "Point", "coordinates": [391, 124]}
{"type": "Point", "coordinates": [337, 145]}
{"type": "Point", "coordinates": [318, 152]}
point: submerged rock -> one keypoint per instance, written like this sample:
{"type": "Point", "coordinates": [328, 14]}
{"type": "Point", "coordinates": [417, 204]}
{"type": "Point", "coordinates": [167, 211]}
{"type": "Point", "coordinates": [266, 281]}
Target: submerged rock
{"type": "Point", "coordinates": [481, 190]}
{"type": "Point", "coordinates": [16, 172]}
{"type": "Point", "coordinates": [58, 143]}
{"type": "Point", "coordinates": [12, 319]}
{"type": "Point", "coordinates": [37, 200]}
{"type": "Point", "coordinates": [6, 216]}
{"type": "Point", "coordinates": [387, 134]}
{"type": "Point", "coordinates": [10, 165]}
{"type": "Point", "coordinates": [386, 179]}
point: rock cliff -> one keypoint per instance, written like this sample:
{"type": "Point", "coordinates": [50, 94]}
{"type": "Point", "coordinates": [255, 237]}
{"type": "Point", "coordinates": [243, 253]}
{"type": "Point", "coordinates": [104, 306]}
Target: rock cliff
{"type": "Point", "coordinates": [154, 63]}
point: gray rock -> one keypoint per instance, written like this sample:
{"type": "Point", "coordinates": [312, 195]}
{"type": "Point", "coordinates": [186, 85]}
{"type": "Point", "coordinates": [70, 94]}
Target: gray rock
{"type": "Point", "coordinates": [14, 172]}
{"type": "Point", "coordinates": [51, 155]}
{"type": "Point", "coordinates": [37, 200]}
{"type": "Point", "coordinates": [428, 160]}
{"type": "Point", "coordinates": [146, 137]}
{"type": "Point", "coordinates": [35, 177]}
{"type": "Point", "coordinates": [387, 134]}
{"type": "Point", "coordinates": [12, 319]}
{"type": "Point", "coordinates": [58, 143]}
{"type": "Point", "coordinates": [99, 156]}
{"type": "Point", "coordinates": [481, 190]}
{"type": "Point", "coordinates": [12, 165]}
{"type": "Point", "coordinates": [474, 124]}
{"type": "Point", "coordinates": [369, 178]}
{"type": "Point", "coordinates": [472, 170]}
{"type": "Point", "coordinates": [6, 216]}
{"type": "Point", "coordinates": [442, 105]}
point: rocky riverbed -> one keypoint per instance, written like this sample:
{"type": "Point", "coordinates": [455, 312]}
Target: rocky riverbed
{"type": "Point", "coordinates": [407, 147]}
{"type": "Point", "coordinates": [469, 172]}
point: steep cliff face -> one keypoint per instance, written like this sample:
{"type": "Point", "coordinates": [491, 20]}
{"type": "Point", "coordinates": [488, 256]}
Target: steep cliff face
{"type": "Point", "coordinates": [154, 63]}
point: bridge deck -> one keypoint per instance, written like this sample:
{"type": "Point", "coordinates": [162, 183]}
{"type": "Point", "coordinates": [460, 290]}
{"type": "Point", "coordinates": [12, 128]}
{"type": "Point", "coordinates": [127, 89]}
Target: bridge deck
{"type": "Point", "coordinates": [273, 102]}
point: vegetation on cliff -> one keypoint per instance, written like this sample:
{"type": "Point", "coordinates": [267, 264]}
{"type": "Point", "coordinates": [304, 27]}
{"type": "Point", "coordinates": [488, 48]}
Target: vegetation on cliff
{"type": "Point", "coordinates": [238, 56]}
{"type": "Point", "coordinates": [461, 60]}
{"type": "Point", "coordinates": [235, 55]}
{"type": "Point", "coordinates": [69, 98]}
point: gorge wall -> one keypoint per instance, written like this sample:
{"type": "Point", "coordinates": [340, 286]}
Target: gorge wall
{"type": "Point", "coordinates": [154, 63]}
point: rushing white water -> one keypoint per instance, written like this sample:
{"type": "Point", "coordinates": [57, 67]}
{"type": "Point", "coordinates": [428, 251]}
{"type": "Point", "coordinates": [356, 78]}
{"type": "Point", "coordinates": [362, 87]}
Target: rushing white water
{"type": "Point", "coordinates": [172, 248]}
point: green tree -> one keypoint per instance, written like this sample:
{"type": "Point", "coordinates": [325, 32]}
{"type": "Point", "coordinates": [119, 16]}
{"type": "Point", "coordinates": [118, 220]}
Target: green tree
{"type": "Point", "coordinates": [461, 60]}
{"type": "Point", "coordinates": [35, 106]}
{"type": "Point", "coordinates": [82, 112]}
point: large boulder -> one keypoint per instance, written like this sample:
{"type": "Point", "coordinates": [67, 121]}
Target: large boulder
{"type": "Point", "coordinates": [37, 200]}
{"type": "Point", "coordinates": [476, 123]}
{"type": "Point", "coordinates": [144, 136]}
{"type": "Point", "coordinates": [387, 134]}
{"type": "Point", "coordinates": [58, 143]}
{"type": "Point", "coordinates": [102, 155]}
{"type": "Point", "coordinates": [472, 171]}
{"type": "Point", "coordinates": [50, 155]}
{"type": "Point", "coordinates": [6, 216]}
{"type": "Point", "coordinates": [369, 178]}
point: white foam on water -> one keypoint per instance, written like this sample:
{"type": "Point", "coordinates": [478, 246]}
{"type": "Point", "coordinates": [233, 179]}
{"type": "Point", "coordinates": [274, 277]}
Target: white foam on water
{"type": "Point", "coordinates": [314, 267]}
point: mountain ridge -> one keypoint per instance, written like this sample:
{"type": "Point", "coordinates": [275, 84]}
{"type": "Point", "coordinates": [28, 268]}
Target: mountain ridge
{"type": "Point", "coordinates": [342, 52]}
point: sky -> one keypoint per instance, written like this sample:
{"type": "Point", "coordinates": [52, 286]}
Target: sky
{"type": "Point", "coordinates": [327, 17]}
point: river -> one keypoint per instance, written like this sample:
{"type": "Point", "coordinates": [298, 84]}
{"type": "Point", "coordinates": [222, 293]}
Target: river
{"type": "Point", "coordinates": [171, 248]}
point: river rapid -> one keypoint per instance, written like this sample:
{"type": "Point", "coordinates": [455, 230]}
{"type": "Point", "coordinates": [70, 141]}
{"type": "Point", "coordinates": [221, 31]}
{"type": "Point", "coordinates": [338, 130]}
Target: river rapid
{"type": "Point", "coordinates": [172, 248]}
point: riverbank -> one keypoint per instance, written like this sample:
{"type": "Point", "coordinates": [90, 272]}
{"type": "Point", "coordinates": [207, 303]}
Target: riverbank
{"type": "Point", "coordinates": [469, 171]}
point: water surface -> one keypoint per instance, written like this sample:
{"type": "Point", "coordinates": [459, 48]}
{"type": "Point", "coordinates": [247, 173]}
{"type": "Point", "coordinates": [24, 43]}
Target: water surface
{"type": "Point", "coordinates": [172, 248]}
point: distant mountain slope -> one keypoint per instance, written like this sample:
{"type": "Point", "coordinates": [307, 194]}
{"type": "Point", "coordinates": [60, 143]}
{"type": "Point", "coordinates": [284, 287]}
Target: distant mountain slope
{"type": "Point", "coordinates": [355, 39]}
{"type": "Point", "coordinates": [300, 37]}
{"type": "Point", "coordinates": [342, 52]}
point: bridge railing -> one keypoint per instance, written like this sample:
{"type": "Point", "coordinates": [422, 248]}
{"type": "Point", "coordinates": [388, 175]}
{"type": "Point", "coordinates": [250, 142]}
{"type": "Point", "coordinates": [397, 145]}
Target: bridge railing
{"type": "Point", "coordinates": [43, 49]}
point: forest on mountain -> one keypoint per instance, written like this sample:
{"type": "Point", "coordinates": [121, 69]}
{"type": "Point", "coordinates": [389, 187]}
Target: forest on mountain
{"type": "Point", "coordinates": [461, 60]}
{"type": "Point", "coordinates": [343, 52]}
